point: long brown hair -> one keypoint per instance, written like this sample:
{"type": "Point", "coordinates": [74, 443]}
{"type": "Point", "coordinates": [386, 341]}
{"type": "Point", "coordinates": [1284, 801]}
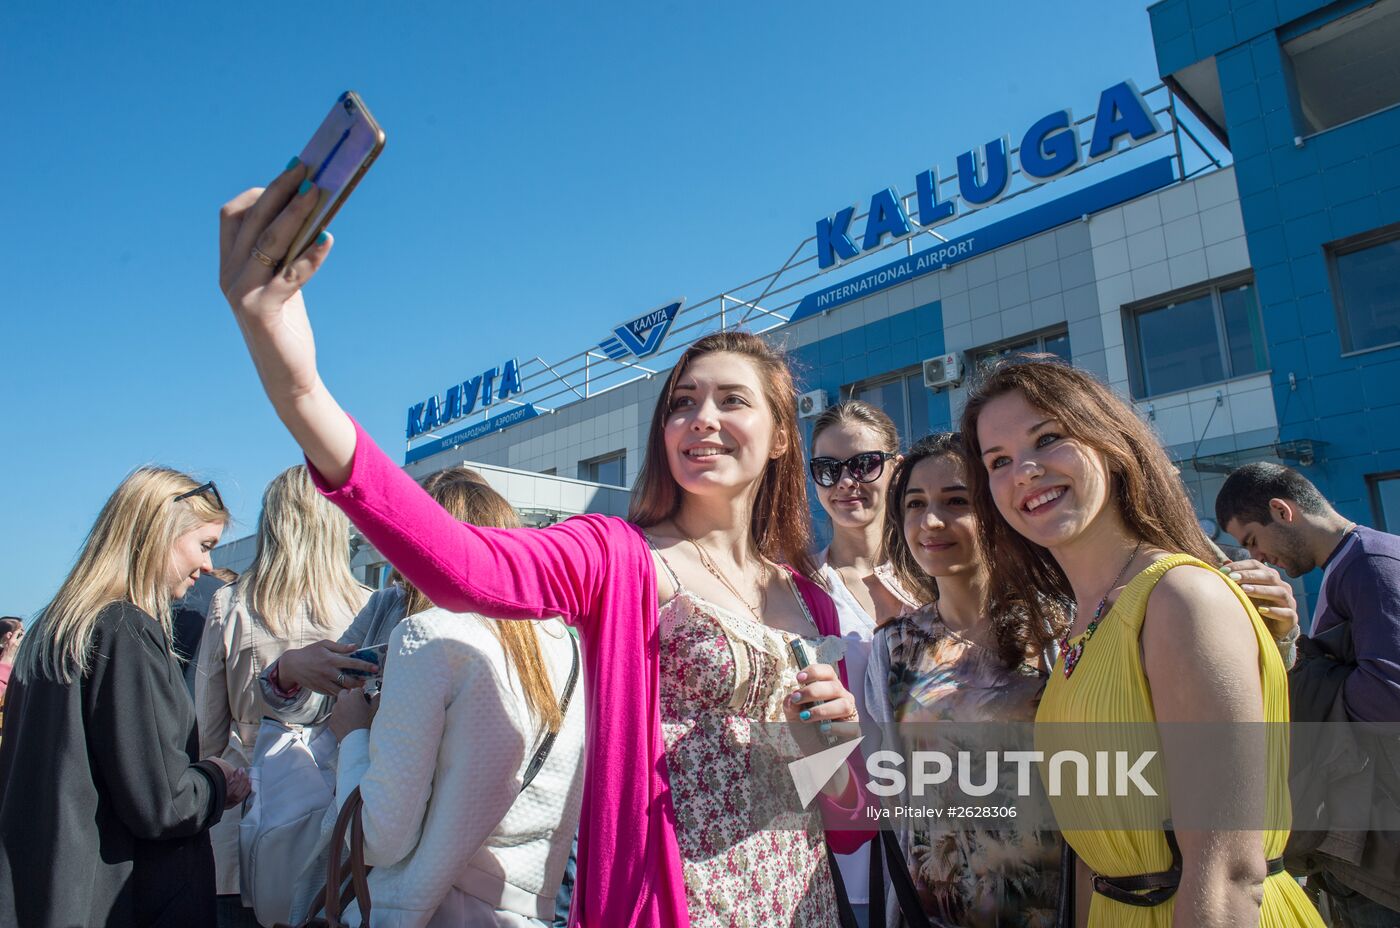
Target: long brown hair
{"type": "Point", "coordinates": [1146, 487]}
{"type": "Point", "coordinates": [464, 493]}
{"type": "Point", "coordinates": [781, 529]}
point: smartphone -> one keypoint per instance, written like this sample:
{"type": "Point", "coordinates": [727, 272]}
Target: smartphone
{"type": "Point", "coordinates": [802, 655]}
{"type": "Point", "coordinates": [374, 655]}
{"type": "Point", "coordinates": [337, 156]}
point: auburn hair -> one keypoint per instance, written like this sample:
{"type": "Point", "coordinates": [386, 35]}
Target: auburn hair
{"type": "Point", "coordinates": [781, 528]}
{"type": "Point", "coordinates": [463, 492]}
{"type": "Point", "coordinates": [1146, 487]}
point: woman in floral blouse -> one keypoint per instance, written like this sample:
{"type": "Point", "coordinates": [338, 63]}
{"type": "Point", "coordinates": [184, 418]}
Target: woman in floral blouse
{"type": "Point", "coordinates": [950, 661]}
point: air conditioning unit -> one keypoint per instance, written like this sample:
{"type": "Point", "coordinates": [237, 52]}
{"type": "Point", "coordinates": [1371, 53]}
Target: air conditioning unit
{"type": "Point", "coordinates": [944, 371]}
{"type": "Point", "coordinates": [811, 404]}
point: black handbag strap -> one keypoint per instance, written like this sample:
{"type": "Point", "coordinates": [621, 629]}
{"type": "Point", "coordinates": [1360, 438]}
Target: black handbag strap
{"type": "Point", "coordinates": [905, 893]}
{"type": "Point", "coordinates": [844, 912]}
{"type": "Point", "coordinates": [538, 760]}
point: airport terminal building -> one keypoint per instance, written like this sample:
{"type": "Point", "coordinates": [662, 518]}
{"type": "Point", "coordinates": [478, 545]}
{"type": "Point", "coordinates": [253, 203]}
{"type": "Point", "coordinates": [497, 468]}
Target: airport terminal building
{"type": "Point", "coordinates": [1223, 248]}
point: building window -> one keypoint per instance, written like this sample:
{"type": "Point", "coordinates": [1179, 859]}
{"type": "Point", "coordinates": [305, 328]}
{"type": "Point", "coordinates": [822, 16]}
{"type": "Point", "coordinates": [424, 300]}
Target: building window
{"type": "Point", "coordinates": [376, 576]}
{"type": "Point", "coordinates": [549, 472]}
{"type": "Point", "coordinates": [1366, 287]}
{"type": "Point", "coordinates": [1052, 341]}
{"type": "Point", "coordinates": [903, 397]}
{"type": "Point", "coordinates": [1385, 501]}
{"type": "Point", "coordinates": [1345, 69]}
{"type": "Point", "coordinates": [1197, 338]}
{"type": "Point", "coordinates": [610, 469]}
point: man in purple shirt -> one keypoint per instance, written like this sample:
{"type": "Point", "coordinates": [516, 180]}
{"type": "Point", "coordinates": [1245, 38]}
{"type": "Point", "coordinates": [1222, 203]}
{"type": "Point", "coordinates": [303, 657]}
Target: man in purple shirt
{"type": "Point", "coordinates": [1282, 519]}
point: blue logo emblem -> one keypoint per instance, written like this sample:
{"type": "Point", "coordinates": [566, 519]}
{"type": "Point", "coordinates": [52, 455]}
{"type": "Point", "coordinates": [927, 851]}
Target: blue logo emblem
{"type": "Point", "coordinates": [641, 337]}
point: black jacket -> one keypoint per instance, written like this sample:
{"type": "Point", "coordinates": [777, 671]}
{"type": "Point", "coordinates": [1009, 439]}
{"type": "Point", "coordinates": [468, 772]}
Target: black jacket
{"type": "Point", "coordinates": [104, 816]}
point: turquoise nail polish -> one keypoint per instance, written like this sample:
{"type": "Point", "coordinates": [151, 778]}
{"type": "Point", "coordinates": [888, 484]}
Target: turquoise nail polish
{"type": "Point", "coordinates": [323, 237]}
{"type": "Point", "coordinates": [305, 188]}
{"type": "Point", "coordinates": [1237, 577]}
{"type": "Point", "coordinates": [293, 163]}
{"type": "Point", "coordinates": [804, 715]}
{"type": "Point", "coordinates": [824, 727]}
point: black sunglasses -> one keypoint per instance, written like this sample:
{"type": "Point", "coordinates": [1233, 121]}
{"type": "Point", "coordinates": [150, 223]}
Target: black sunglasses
{"type": "Point", "coordinates": [209, 488]}
{"type": "Point", "coordinates": [863, 468]}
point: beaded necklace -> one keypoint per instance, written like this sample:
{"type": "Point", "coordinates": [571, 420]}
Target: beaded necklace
{"type": "Point", "coordinates": [1073, 654]}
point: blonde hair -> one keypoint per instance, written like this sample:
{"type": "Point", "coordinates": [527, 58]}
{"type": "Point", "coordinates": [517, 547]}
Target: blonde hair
{"type": "Point", "coordinates": [302, 563]}
{"type": "Point", "coordinates": [463, 493]}
{"type": "Point", "coordinates": [125, 558]}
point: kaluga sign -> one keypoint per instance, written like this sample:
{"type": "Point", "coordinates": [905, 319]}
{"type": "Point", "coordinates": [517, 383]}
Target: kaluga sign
{"type": "Point", "coordinates": [1049, 149]}
{"type": "Point", "coordinates": [460, 400]}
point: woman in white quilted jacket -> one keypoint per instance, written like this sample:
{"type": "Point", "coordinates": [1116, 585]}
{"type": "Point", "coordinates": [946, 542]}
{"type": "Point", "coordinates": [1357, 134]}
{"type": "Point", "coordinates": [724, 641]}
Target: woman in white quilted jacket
{"type": "Point", "coordinates": [298, 589]}
{"type": "Point", "coordinates": [465, 706]}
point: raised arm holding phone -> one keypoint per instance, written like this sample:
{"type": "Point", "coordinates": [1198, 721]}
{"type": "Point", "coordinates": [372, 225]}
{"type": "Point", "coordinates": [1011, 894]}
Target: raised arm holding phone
{"type": "Point", "coordinates": [717, 543]}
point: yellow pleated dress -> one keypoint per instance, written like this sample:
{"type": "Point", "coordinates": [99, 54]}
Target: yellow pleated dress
{"type": "Point", "coordinates": [1110, 685]}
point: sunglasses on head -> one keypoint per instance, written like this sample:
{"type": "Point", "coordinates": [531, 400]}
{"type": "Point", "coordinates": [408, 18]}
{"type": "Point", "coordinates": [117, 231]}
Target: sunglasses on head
{"type": "Point", "coordinates": [863, 468]}
{"type": "Point", "coordinates": [209, 488]}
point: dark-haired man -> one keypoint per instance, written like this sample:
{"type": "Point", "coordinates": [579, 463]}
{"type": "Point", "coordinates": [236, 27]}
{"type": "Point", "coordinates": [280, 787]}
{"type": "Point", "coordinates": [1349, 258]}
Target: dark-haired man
{"type": "Point", "coordinates": [1279, 515]}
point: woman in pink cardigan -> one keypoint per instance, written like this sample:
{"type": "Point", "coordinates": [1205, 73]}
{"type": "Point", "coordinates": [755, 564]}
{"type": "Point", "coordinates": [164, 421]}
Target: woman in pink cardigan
{"type": "Point", "coordinates": [684, 611]}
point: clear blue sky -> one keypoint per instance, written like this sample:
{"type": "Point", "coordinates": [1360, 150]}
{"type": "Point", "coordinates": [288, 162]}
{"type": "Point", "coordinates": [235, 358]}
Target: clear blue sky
{"type": "Point", "coordinates": [551, 169]}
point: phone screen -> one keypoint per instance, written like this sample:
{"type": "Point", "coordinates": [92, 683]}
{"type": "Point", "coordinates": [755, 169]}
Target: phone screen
{"type": "Point", "coordinates": [374, 655]}
{"type": "Point", "coordinates": [336, 158]}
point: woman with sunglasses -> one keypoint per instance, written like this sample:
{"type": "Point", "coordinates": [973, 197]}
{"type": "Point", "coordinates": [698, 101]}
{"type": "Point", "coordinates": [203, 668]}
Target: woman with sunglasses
{"type": "Point", "coordinates": [105, 814]}
{"type": "Point", "coordinates": [686, 611]}
{"type": "Point", "coordinates": [854, 452]}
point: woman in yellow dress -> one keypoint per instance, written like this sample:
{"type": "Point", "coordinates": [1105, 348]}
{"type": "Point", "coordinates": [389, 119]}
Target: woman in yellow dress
{"type": "Point", "coordinates": [1077, 502]}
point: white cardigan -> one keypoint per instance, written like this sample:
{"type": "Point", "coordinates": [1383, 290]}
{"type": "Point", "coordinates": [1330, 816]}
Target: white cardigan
{"type": "Point", "coordinates": [445, 823]}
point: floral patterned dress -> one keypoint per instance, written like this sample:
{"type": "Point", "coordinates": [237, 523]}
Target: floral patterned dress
{"type": "Point", "coordinates": [750, 860]}
{"type": "Point", "coordinates": [978, 876]}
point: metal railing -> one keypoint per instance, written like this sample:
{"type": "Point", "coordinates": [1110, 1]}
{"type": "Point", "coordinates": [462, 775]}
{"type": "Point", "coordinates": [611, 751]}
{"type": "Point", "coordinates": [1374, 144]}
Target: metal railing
{"type": "Point", "coordinates": [590, 372]}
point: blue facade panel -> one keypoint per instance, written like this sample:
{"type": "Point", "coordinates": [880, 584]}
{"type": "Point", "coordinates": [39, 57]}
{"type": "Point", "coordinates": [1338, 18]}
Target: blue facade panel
{"type": "Point", "coordinates": [1298, 196]}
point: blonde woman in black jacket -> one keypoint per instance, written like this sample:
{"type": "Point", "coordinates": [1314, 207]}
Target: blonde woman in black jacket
{"type": "Point", "coordinates": [105, 813]}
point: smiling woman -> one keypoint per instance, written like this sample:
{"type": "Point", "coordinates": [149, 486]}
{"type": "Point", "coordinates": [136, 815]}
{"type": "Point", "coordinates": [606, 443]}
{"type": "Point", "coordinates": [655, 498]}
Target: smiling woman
{"type": "Point", "coordinates": [1073, 494]}
{"type": "Point", "coordinates": [685, 612]}
{"type": "Point", "coordinates": [99, 720]}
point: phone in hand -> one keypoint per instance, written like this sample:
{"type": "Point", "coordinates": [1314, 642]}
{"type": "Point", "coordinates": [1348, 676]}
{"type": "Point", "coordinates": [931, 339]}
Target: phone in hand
{"type": "Point", "coordinates": [338, 155]}
{"type": "Point", "coordinates": [373, 655]}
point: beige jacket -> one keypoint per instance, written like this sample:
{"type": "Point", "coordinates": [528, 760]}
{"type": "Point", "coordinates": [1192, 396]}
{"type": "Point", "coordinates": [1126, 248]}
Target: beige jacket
{"type": "Point", "coordinates": [236, 647]}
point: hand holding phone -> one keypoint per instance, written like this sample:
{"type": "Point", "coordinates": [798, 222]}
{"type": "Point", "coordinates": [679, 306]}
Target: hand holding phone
{"type": "Point", "coordinates": [802, 656]}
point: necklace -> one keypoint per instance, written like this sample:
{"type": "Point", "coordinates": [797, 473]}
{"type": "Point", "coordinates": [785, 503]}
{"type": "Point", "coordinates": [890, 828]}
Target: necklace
{"type": "Point", "coordinates": [709, 565]}
{"type": "Point", "coordinates": [1073, 654]}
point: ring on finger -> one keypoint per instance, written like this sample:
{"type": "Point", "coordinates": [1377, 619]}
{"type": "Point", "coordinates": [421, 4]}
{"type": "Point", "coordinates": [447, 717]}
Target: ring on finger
{"type": "Point", "coordinates": [263, 258]}
{"type": "Point", "coordinates": [340, 678]}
